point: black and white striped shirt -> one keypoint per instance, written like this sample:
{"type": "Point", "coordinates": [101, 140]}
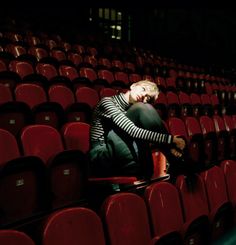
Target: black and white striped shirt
{"type": "Point", "coordinates": [113, 110]}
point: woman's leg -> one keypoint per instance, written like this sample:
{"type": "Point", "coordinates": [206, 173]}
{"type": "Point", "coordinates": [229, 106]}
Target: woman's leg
{"type": "Point", "coordinates": [145, 116]}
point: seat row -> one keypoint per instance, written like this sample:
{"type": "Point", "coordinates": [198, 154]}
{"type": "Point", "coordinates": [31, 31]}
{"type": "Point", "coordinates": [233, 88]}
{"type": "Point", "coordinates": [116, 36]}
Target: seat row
{"type": "Point", "coordinates": [30, 104]}
{"type": "Point", "coordinates": [43, 157]}
{"type": "Point", "coordinates": [209, 140]}
{"type": "Point", "coordinates": [182, 104]}
{"type": "Point", "coordinates": [47, 72]}
{"type": "Point", "coordinates": [183, 213]}
{"type": "Point", "coordinates": [195, 211]}
{"type": "Point", "coordinates": [41, 170]}
{"type": "Point", "coordinates": [108, 49]}
{"type": "Point", "coordinates": [45, 169]}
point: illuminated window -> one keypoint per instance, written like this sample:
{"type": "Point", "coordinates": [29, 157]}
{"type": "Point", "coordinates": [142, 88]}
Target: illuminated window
{"type": "Point", "coordinates": [111, 21]}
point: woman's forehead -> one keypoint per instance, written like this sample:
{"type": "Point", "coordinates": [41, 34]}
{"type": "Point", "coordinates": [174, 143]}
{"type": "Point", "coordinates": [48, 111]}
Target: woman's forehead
{"type": "Point", "coordinates": [148, 87]}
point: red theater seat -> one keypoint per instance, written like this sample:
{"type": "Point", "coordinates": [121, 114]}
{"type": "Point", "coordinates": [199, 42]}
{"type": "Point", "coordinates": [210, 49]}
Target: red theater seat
{"type": "Point", "coordinates": [67, 169]}
{"type": "Point", "coordinates": [14, 237]}
{"type": "Point", "coordinates": [73, 226]}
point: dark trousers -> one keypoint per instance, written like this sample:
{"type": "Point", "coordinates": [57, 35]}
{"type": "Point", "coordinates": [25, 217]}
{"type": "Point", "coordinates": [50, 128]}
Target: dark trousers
{"type": "Point", "coordinates": [120, 155]}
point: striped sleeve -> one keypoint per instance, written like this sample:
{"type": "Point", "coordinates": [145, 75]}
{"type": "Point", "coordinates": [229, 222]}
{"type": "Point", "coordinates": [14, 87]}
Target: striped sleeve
{"type": "Point", "coordinates": [109, 110]}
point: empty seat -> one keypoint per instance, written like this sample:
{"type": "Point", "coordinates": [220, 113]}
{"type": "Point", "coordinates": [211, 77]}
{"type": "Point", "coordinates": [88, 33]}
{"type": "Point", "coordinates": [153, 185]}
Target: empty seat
{"type": "Point", "coordinates": [58, 54]}
{"type": "Point", "coordinates": [73, 111]}
{"type": "Point", "coordinates": [173, 106]}
{"type": "Point", "coordinates": [121, 80]}
{"type": "Point", "coordinates": [148, 77]}
{"type": "Point", "coordinates": [222, 137]}
{"type": "Point", "coordinates": [75, 58]}
{"type": "Point", "coordinates": [16, 49]}
{"type": "Point", "coordinates": [14, 237]}
{"type": "Point", "coordinates": [50, 72]}
{"type": "Point", "coordinates": [32, 40]}
{"type": "Point", "coordinates": [218, 109]}
{"type": "Point", "coordinates": [3, 66]}
{"type": "Point", "coordinates": [197, 104]}
{"type": "Point", "coordinates": [195, 208]}
{"type": "Point", "coordinates": [129, 67]}
{"type": "Point", "coordinates": [5, 94]}
{"type": "Point", "coordinates": [134, 77]}
{"type": "Point", "coordinates": [91, 51]}
{"type": "Point", "coordinates": [220, 208]}
{"type": "Point", "coordinates": [73, 226]}
{"type": "Point", "coordinates": [67, 170]}
{"type": "Point", "coordinates": [207, 108]}
{"type": "Point", "coordinates": [22, 182]}
{"type": "Point", "coordinates": [171, 84]}
{"type": "Point", "coordinates": [161, 83]}
{"type": "Point", "coordinates": [126, 220]}
{"type": "Point", "coordinates": [76, 136]}
{"type": "Point", "coordinates": [185, 104]}
{"type": "Point", "coordinates": [44, 112]}
{"type": "Point", "coordinates": [38, 52]}
{"type": "Point", "coordinates": [23, 68]}
{"type": "Point", "coordinates": [61, 94]}
{"type": "Point", "coordinates": [163, 204]}
{"type": "Point", "coordinates": [50, 43]}
{"type": "Point", "coordinates": [106, 75]}
{"type": "Point", "coordinates": [161, 105]}
{"type": "Point", "coordinates": [69, 72]}
{"type": "Point", "coordinates": [104, 63]}
{"type": "Point", "coordinates": [210, 140]}
{"type": "Point", "coordinates": [194, 145]}
{"type": "Point", "coordinates": [79, 49]}
{"type": "Point", "coordinates": [14, 115]}
{"type": "Point", "coordinates": [89, 61]}
{"type": "Point", "coordinates": [87, 95]}
{"type": "Point", "coordinates": [107, 92]}
{"type": "Point", "coordinates": [47, 70]}
{"type": "Point", "coordinates": [196, 142]}
{"type": "Point", "coordinates": [66, 46]}
{"type": "Point", "coordinates": [229, 169]}
{"type": "Point", "coordinates": [229, 125]}
{"type": "Point", "coordinates": [88, 73]}
{"type": "Point", "coordinates": [117, 65]}
{"type": "Point", "coordinates": [208, 88]}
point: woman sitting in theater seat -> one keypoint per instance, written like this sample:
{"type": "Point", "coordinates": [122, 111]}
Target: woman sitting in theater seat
{"type": "Point", "coordinates": [124, 127]}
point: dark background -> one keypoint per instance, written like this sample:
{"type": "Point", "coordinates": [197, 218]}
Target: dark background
{"type": "Point", "coordinates": [201, 36]}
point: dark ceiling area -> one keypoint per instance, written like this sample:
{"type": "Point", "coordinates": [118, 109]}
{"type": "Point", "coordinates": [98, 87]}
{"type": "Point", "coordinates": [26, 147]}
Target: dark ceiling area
{"type": "Point", "coordinates": [202, 36]}
{"type": "Point", "coordinates": [195, 35]}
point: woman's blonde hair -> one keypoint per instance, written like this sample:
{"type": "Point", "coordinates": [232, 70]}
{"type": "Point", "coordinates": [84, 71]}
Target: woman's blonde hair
{"type": "Point", "coordinates": [149, 85]}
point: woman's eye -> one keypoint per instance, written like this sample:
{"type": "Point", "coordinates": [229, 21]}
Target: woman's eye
{"type": "Point", "coordinates": [143, 89]}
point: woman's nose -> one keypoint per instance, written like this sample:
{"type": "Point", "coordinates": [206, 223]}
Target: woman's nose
{"type": "Point", "coordinates": [145, 98]}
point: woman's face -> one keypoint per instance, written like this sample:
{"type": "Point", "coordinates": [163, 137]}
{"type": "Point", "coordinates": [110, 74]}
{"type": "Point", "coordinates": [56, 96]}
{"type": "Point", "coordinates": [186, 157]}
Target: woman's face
{"type": "Point", "coordinates": [141, 93]}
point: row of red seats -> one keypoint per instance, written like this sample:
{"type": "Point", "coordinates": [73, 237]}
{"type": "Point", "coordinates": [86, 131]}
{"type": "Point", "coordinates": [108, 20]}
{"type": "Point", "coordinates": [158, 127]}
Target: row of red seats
{"type": "Point", "coordinates": [183, 75]}
{"type": "Point", "coordinates": [143, 56]}
{"type": "Point", "coordinates": [209, 140]}
{"type": "Point", "coordinates": [46, 169]}
{"type": "Point", "coordinates": [31, 104]}
{"type": "Point", "coordinates": [59, 56]}
{"type": "Point", "coordinates": [74, 57]}
{"type": "Point", "coordinates": [47, 74]}
{"type": "Point", "coordinates": [204, 138]}
{"type": "Point", "coordinates": [168, 213]}
{"type": "Point", "coordinates": [182, 104]}
{"type": "Point", "coordinates": [60, 105]}
{"type": "Point", "coordinates": [42, 169]}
